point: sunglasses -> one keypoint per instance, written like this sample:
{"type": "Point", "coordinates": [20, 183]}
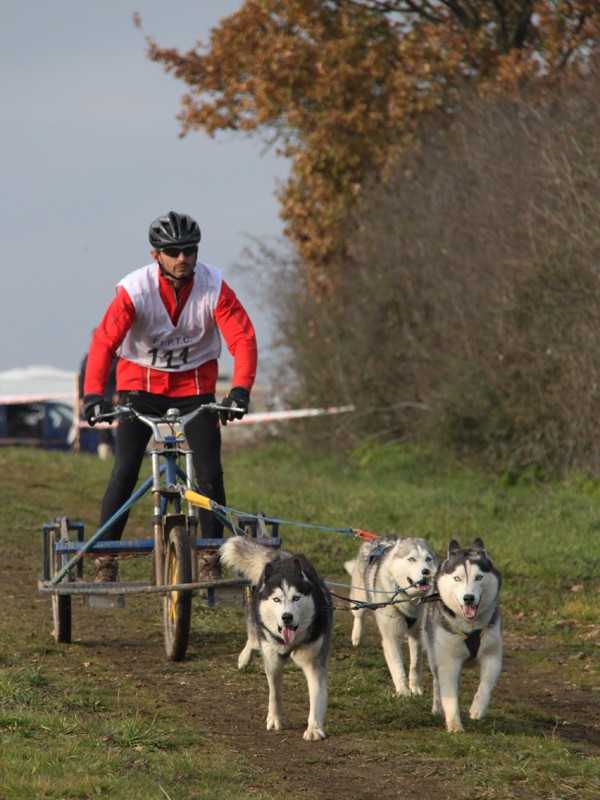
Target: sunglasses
{"type": "Point", "coordinates": [173, 252]}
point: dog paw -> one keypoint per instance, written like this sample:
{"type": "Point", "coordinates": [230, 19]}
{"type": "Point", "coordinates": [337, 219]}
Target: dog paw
{"type": "Point", "coordinates": [244, 657]}
{"type": "Point", "coordinates": [273, 723]}
{"type": "Point", "coordinates": [314, 734]}
{"type": "Point", "coordinates": [357, 632]}
{"type": "Point", "coordinates": [476, 712]}
{"type": "Point", "coordinates": [454, 726]}
{"type": "Point", "coordinates": [416, 690]}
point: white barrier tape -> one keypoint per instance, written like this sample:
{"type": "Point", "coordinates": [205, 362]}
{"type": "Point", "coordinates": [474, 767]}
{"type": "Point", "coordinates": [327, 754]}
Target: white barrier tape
{"type": "Point", "coordinates": [258, 417]}
{"type": "Point", "coordinates": [277, 416]}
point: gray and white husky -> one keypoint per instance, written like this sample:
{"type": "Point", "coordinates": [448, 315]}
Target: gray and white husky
{"type": "Point", "coordinates": [464, 625]}
{"type": "Point", "coordinates": [399, 569]}
{"type": "Point", "coordinates": [291, 614]}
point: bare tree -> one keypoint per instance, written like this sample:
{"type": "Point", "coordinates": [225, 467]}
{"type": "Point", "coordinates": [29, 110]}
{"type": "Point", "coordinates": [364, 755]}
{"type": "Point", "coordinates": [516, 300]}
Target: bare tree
{"type": "Point", "coordinates": [468, 313]}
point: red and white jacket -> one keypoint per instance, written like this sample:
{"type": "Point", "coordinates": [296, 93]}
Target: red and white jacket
{"type": "Point", "coordinates": [169, 341]}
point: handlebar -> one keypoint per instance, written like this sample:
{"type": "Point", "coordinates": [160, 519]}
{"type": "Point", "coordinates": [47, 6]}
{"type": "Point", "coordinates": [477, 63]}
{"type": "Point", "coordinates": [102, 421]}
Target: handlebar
{"type": "Point", "coordinates": [172, 417]}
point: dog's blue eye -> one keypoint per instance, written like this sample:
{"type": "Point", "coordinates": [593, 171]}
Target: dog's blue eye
{"type": "Point", "coordinates": [457, 579]}
{"type": "Point", "coordinates": [412, 558]}
{"type": "Point", "coordinates": [296, 598]}
{"type": "Point", "coordinates": [277, 600]}
{"type": "Point", "coordinates": [479, 578]}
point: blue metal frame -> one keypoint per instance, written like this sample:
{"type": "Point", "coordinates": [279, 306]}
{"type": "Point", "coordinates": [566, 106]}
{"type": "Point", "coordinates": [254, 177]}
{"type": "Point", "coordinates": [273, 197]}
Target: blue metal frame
{"type": "Point", "coordinates": [102, 530]}
{"type": "Point", "coordinates": [168, 504]}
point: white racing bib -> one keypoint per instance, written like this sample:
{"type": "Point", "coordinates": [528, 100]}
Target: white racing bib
{"type": "Point", "coordinates": [153, 340]}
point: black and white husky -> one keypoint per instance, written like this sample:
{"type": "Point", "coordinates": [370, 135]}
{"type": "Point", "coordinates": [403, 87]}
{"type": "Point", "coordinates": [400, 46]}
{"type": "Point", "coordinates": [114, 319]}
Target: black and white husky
{"type": "Point", "coordinates": [394, 569]}
{"type": "Point", "coordinates": [291, 614]}
{"type": "Point", "coordinates": [465, 624]}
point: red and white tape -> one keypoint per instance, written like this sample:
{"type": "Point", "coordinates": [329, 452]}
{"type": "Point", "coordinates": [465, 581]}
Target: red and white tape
{"type": "Point", "coordinates": [261, 416]}
{"type": "Point", "coordinates": [277, 416]}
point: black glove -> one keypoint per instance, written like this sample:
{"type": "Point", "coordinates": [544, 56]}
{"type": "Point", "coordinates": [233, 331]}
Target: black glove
{"type": "Point", "coordinates": [237, 402]}
{"type": "Point", "coordinates": [93, 406]}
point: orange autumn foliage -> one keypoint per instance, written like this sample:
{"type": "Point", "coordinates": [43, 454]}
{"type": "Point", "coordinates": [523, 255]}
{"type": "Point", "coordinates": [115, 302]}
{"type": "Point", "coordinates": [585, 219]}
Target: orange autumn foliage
{"type": "Point", "coordinates": [338, 86]}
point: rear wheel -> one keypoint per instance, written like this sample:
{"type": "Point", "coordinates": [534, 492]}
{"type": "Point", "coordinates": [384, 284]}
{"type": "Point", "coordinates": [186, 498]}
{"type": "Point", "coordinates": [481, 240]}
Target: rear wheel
{"type": "Point", "coordinates": [61, 603]}
{"type": "Point", "coordinates": [61, 613]}
{"type": "Point", "coordinates": [177, 604]}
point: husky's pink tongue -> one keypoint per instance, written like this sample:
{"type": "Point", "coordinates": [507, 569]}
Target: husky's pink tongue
{"type": "Point", "coordinates": [288, 634]}
{"type": "Point", "coordinates": [469, 611]}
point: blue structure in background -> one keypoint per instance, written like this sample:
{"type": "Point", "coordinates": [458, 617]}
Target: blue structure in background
{"type": "Point", "coordinates": [44, 423]}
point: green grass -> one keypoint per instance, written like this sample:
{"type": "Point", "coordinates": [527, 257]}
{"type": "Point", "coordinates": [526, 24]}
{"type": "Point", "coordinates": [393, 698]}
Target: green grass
{"type": "Point", "coordinates": [72, 725]}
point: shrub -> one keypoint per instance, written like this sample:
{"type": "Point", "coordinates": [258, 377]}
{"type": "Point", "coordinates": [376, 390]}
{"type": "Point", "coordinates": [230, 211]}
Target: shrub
{"type": "Point", "coordinates": [468, 313]}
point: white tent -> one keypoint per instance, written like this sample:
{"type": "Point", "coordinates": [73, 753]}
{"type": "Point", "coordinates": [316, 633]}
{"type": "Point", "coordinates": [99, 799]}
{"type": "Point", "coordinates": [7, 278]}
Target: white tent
{"type": "Point", "coordinates": [35, 383]}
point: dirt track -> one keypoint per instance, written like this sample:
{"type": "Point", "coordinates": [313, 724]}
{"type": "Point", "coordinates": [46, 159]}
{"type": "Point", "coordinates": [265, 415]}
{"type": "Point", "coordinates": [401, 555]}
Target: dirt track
{"type": "Point", "coordinates": [213, 697]}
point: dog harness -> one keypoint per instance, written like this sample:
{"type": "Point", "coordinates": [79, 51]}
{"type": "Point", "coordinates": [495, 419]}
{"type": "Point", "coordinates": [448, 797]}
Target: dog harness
{"type": "Point", "coordinates": [472, 639]}
{"type": "Point", "coordinates": [379, 551]}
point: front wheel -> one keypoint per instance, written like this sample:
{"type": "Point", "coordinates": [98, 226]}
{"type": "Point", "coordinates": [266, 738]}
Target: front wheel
{"type": "Point", "coordinates": [177, 604]}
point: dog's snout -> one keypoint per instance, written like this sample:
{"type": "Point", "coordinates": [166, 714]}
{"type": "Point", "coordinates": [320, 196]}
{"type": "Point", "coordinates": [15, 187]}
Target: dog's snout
{"type": "Point", "coordinates": [468, 599]}
{"type": "Point", "coordinates": [287, 618]}
{"type": "Point", "coordinates": [426, 572]}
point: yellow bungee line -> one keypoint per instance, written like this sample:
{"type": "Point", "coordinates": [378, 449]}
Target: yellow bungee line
{"type": "Point", "coordinates": [199, 500]}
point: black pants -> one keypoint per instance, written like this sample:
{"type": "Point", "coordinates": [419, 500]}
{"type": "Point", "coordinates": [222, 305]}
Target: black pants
{"type": "Point", "coordinates": [203, 435]}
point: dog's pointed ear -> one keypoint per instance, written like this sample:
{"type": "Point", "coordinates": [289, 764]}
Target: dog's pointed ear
{"type": "Point", "coordinates": [453, 548]}
{"type": "Point", "coordinates": [479, 545]}
{"type": "Point", "coordinates": [297, 565]}
{"type": "Point", "coordinates": [268, 571]}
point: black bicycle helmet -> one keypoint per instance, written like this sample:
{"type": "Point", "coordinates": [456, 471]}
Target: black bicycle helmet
{"type": "Point", "coordinates": [173, 229]}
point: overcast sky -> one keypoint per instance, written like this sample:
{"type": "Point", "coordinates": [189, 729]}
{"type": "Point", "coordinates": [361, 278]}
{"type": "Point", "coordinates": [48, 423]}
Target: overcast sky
{"type": "Point", "coordinates": [90, 155]}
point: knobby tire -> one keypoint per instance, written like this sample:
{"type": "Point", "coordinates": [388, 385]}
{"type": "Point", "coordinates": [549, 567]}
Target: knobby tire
{"type": "Point", "coordinates": [61, 603]}
{"type": "Point", "coordinates": [177, 605]}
